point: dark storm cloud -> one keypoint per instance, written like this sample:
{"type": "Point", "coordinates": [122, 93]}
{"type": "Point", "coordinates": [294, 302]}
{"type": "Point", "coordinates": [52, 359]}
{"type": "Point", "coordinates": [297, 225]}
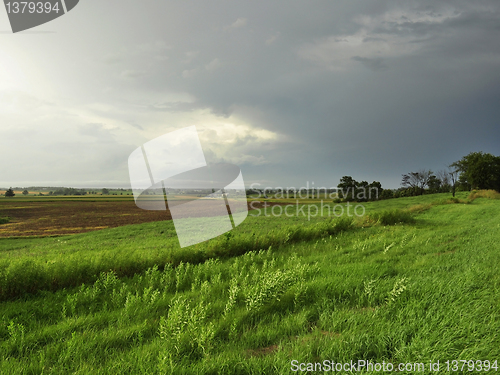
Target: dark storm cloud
{"type": "Point", "coordinates": [425, 63]}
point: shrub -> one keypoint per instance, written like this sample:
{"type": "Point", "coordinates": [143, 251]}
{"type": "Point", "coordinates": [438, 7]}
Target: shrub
{"type": "Point", "coordinates": [4, 220]}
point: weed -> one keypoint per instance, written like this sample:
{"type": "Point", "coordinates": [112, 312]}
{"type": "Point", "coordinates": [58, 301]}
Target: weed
{"type": "Point", "coordinates": [369, 290]}
{"type": "Point", "coordinates": [184, 330]}
{"type": "Point", "coordinates": [386, 248]}
{"type": "Point", "coordinates": [233, 294]}
{"type": "Point", "coordinates": [399, 287]}
{"type": "Point", "coordinates": [17, 337]}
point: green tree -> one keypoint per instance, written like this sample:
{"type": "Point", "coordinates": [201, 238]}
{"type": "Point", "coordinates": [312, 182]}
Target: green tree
{"type": "Point", "coordinates": [479, 170]}
{"type": "Point", "coordinates": [375, 190]}
{"type": "Point", "coordinates": [362, 191]}
{"type": "Point", "coordinates": [434, 184]}
{"type": "Point", "coordinates": [105, 191]}
{"type": "Point", "coordinates": [25, 192]}
{"type": "Point", "coordinates": [347, 188]}
{"type": "Point", "coordinates": [10, 193]}
{"type": "Point", "coordinates": [387, 194]}
{"type": "Point", "coordinates": [351, 190]}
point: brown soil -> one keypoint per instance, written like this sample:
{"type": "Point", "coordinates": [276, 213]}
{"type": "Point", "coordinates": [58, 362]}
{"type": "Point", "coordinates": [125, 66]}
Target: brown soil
{"type": "Point", "coordinates": [69, 217]}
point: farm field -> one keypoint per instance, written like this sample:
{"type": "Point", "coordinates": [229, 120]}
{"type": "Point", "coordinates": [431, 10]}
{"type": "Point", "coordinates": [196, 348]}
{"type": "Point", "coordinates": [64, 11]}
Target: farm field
{"type": "Point", "coordinates": [414, 280]}
{"type": "Point", "coordinates": [53, 216]}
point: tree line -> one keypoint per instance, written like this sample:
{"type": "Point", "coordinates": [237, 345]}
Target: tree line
{"type": "Point", "coordinates": [63, 191]}
{"type": "Point", "coordinates": [475, 171]}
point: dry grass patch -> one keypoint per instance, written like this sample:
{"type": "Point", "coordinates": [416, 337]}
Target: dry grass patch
{"type": "Point", "coordinates": [490, 194]}
{"type": "Point", "coordinates": [418, 208]}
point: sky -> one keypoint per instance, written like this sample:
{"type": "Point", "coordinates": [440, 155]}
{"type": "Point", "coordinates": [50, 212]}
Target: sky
{"type": "Point", "coordinates": [294, 93]}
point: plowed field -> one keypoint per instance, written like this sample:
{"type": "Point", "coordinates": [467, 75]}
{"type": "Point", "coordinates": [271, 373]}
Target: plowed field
{"type": "Point", "coordinates": [39, 218]}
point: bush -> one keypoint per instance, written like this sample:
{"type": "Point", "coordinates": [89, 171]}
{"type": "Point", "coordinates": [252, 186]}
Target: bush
{"type": "Point", "coordinates": [392, 217]}
{"type": "Point", "coordinates": [4, 220]}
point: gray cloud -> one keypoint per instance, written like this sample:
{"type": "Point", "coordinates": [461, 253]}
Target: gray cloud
{"type": "Point", "coordinates": [371, 63]}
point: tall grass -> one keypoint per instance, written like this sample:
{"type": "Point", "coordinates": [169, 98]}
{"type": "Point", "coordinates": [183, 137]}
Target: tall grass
{"type": "Point", "coordinates": [392, 217]}
{"type": "Point", "coordinates": [20, 276]}
{"type": "Point", "coordinates": [406, 215]}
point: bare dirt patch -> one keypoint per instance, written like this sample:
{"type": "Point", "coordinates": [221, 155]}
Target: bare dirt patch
{"type": "Point", "coordinates": [262, 351]}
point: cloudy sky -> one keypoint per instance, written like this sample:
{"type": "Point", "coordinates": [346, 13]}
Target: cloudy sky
{"type": "Point", "coordinates": [290, 91]}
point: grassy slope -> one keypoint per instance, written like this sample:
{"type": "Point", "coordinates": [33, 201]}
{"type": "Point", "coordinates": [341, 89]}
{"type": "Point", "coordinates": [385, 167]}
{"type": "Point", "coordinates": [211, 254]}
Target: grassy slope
{"type": "Point", "coordinates": [28, 265]}
{"type": "Point", "coordinates": [401, 293]}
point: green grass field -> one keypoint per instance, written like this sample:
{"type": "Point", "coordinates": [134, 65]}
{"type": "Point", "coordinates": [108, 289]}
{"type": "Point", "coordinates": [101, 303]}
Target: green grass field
{"type": "Point", "coordinates": [416, 280]}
